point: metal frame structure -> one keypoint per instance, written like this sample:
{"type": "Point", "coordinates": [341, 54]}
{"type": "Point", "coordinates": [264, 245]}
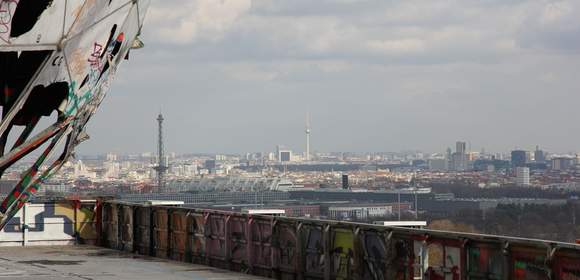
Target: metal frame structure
{"type": "Point", "coordinates": [57, 56]}
{"type": "Point", "coordinates": [161, 167]}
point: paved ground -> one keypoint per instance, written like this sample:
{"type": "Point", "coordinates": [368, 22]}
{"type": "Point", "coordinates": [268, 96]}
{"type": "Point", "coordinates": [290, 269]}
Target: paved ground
{"type": "Point", "coordinates": [94, 263]}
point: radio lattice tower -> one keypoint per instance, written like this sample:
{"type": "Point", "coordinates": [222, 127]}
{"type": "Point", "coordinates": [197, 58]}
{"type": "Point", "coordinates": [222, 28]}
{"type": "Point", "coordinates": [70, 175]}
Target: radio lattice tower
{"type": "Point", "coordinates": [161, 167]}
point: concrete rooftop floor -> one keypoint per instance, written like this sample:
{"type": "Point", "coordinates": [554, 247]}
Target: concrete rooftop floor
{"type": "Point", "coordinates": [95, 263]}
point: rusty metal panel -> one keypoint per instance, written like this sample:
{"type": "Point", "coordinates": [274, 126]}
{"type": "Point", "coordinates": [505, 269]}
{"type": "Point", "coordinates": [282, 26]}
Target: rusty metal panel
{"type": "Point", "coordinates": [142, 227]}
{"type": "Point", "coordinates": [238, 243]}
{"type": "Point", "coordinates": [485, 261]}
{"type": "Point", "coordinates": [126, 228]}
{"type": "Point", "coordinates": [444, 259]}
{"type": "Point", "coordinates": [196, 235]}
{"type": "Point", "coordinates": [260, 247]}
{"type": "Point", "coordinates": [86, 223]}
{"type": "Point", "coordinates": [216, 239]}
{"type": "Point", "coordinates": [314, 247]}
{"type": "Point", "coordinates": [374, 254]}
{"type": "Point", "coordinates": [567, 267]}
{"type": "Point", "coordinates": [286, 248]}
{"type": "Point", "coordinates": [286, 253]}
{"type": "Point", "coordinates": [111, 226]}
{"type": "Point", "coordinates": [342, 253]}
{"type": "Point", "coordinates": [400, 258]}
{"type": "Point", "coordinates": [160, 232]}
{"type": "Point", "coordinates": [528, 264]}
{"type": "Point", "coordinates": [178, 236]}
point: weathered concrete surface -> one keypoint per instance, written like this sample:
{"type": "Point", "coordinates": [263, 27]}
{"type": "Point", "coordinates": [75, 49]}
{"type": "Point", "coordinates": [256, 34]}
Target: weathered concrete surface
{"type": "Point", "coordinates": [94, 263]}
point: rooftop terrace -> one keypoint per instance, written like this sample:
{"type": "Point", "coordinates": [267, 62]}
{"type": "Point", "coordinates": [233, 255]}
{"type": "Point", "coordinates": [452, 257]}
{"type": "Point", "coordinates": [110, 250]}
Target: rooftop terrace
{"type": "Point", "coordinates": [204, 241]}
{"type": "Point", "coordinates": [95, 263]}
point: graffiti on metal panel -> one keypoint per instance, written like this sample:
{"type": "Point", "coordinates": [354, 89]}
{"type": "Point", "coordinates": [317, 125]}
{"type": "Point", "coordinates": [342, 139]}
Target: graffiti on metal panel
{"type": "Point", "coordinates": [127, 219]}
{"type": "Point", "coordinates": [198, 236]}
{"type": "Point", "coordinates": [453, 261]}
{"type": "Point", "coordinates": [261, 239]}
{"type": "Point", "coordinates": [400, 255]}
{"type": "Point", "coordinates": [215, 237]}
{"type": "Point", "coordinates": [83, 227]}
{"type": "Point", "coordinates": [384, 254]}
{"type": "Point", "coordinates": [287, 242]}
{"type": "Point", "coordinates": [77, 82]}
{"type": "Point", "coordinates": [238, 239]}
{"type": "Point", "coordinates": [570, 274]}
{"type": "Point", "coordinates": [314, 250]}
{"type": "Point", "coordinates": [178, 235]}
{"type": "Point", "coordinates": [444, 262]}
{"type": "Point", "coordinates": [95, 57]}
{"type": "Point", "coordinates": [485, 261]}
{"type": "Point", "coordinates": [375, 256]}
{"type": "Point", "coordinates": [7, 9]}
{"type": "Point", "coordinates": [96, 70]}
{"type": "Point", "coordinates": [342, 254]}
{"type": "Point", "coordinates": [86, 222]}
{"type": "Point", "coordinates": [531, 269]}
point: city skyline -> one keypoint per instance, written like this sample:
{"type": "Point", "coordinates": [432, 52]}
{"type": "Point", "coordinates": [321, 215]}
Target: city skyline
{"type": "Point", "coordinates": [300, 151]}
{"type": "Point", "coordinates": [374, 75]}
{"type": "Point", "coordinates": [254, 139]}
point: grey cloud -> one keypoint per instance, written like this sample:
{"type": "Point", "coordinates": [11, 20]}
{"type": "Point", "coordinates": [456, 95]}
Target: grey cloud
{"type": "Point", "coordinates": [553, 26]}
{"type": "Point", "coordinates": [375, 75]}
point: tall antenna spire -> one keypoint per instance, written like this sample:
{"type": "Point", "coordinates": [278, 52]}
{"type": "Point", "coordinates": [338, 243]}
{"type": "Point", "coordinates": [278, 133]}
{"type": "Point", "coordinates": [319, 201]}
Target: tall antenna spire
{"type": "Point", "coordinates": [307, 137]}
{"type": "Point", "coordinates": [161, 167]}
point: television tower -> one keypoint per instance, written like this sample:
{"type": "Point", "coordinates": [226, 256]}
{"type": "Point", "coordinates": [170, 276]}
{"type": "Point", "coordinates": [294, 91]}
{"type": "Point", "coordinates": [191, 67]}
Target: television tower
{"type": "Point", "coordinates": [161, 167]}
{"type": "Point", "coordinates": [307, 137]}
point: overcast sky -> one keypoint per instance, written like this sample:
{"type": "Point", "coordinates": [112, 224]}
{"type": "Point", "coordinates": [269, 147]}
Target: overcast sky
{"type": "Point", "coordinates": [375, 75]}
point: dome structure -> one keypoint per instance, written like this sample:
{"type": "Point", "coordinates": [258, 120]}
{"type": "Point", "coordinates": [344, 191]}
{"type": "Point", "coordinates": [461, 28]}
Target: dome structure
{"type": "Point", "coordinates": [57, 60]}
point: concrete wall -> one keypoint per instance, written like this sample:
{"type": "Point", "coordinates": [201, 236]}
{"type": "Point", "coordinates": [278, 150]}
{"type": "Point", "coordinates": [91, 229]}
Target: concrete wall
{"type": "Point", "coordinates": [290, 248]}
{"type": "Point", "coordinates": [52, 223]}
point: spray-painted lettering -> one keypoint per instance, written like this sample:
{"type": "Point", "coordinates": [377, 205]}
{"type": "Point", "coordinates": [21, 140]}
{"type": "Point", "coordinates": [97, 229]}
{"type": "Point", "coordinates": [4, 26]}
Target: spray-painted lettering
{"type": "Point", "coordinates": [7, 9]}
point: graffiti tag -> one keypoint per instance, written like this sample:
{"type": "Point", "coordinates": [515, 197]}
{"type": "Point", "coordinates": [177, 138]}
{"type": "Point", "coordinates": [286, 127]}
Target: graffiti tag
{"type": "Point", "coordinates": [95, 56]}
{"type": "Point", "coordinates": [570, 274]}
{"type": "Point", "coordinates": [57, 61]}
{"type": "Point", "coordinates": [7, 9]}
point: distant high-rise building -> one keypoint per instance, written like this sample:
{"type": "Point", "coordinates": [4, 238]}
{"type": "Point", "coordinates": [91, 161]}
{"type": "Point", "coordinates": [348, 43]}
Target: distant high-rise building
{"type": "Point", "coordinates": [438, 164]}
{"type": "Point", "coordinates": [562, 163]}
{"type": "Point", "coordinates": [345, 181]}
{"type": "Point", "coordinates": [459, 158]}
{"type": "Point", "coordinates": [210, 165]}
{"type": "Point", "coordinates": [448, 157]}
{"type": "Point", "coordinates": [539, 155]}
{"type": "Point", "coordinates": [519, 158]}
{"type": "Point", "coordinates": [460, 147]}
{"type": "Point", "coordinates": [285, 156]}
{"type": "Point", "coordinates": [281, 152]}
{"type": "Point", "coordinates": [220, 157]}
{"type": "Point", "coordinates": [111, 157]}
{"type": "Point", "coordinates": [459, 162]}
{"type": "Point", "coordinates": [522, 176]}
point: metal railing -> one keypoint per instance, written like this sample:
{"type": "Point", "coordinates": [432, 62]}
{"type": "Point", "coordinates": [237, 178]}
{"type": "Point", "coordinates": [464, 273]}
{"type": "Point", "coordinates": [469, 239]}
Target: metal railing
{"type": "Point", "coordinates": [290, 248]}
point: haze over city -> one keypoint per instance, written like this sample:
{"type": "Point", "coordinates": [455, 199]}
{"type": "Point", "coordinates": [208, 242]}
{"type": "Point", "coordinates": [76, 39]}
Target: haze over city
{"type": "Point", "coordinates": [240, 75]}
{"type": "Point", "coordinates": [289, 139]}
